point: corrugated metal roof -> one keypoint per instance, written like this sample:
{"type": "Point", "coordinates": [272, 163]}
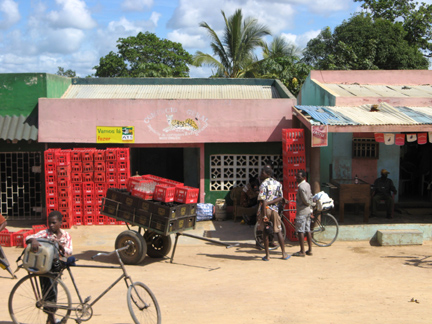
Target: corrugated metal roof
{"type": "Point", "coordinates": [16, 128]}
{"type": "Point", "coordinates": [362, 115]}
{"type": "Point", "coordinates": [81, 91]}
{"type": "Point", "coordinates": [369, 90]}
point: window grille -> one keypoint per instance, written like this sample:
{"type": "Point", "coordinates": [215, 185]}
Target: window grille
{"type": "Point", "coordinates": [365, 148]}
{"type": "Point", "coordinates": [228, 171]}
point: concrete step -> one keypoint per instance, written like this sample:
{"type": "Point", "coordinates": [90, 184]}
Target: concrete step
{"type": "Point", "coordinates": [400, 237]}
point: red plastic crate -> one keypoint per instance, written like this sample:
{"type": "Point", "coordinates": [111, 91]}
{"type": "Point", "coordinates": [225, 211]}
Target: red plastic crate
{"type": "Point", "coordinates": [172, 183]}
{"type": "Point", "coordinates": [21, 236]}
{"type": "Point", "coordinates": [88, 220]}
{"type": "Point", "coordinates": [122, 154]}
{"type": "Point", "coordinates": [186, 195]}
{"type": "Point", "coordinates": [77, 219]}
{"type": "Point", "coordinates": [65, 203]}
{"type": "Point", "coordinates": [75, 155]}
{"type": "Point", "coordinates": [121, 185]}
{"type": "Point", "coordinates": [111, 166]}
{"type": "Point", "coordinates": [122, 177]}
{"type": "Point", "coordinates": [98, 198]}
{"type": "Point", "coordinates": [77, 210]}
{"type": "Point", "coordinates": [88, 187]}
{"type": "Point", "coordinates": [63, 182]}
{"type": "Point", "coordinates": [99, 155]}
{"type": "Point", "coordinates": [76, 177]}
{"type": "Point", "coordinates": [51, 190]}
{"type": "Point", "coordinates": [77, 200]}
{"type": "Point", "coordinates": [123, 166]}
{"type": "Point", "coordinates": [146, 195]}
{"type": "Point", "coordinates": [100, 188]}
{"type": "Point", "coordinates": [76, 166]}
{"type": "Point", "coordinates": [64, 192]}
{"type": "Point", "coordinates": [99, 220]}
{"type": "Point", "coordinates": [111, 154]}
{"type": "Point", "coordinates": [153, 177]}
{"type": "Point", "coordinates": [87, 166]}
{"type": "Point", "coordinates": [132, 182]}
{"type": "Point", "coordinates": [50, 179]}
{"type": "Point", "coordinates": [88, 198]}
{"type": "Point", "coordinates": [99, 177]}
{"type": "Point", "coordinates": [87, 176]}
{"type": "Point", "coordinates": [63, 157]}
{"type": "Point", "coordinates": [99, 165]}
{"type": "Point", "coordinates": [111, 177]}
{"type": "Point", "coordinates": [52, 202]}
{"type": "Point", "coordinates": [293, 135]}
{"type": "Point", "coordinates": [76, 188]}
{"type": "Point", "coordinates": [87, 155]}
{"type": "Point", "coordinates": [50, 155]}
{"type": "Point", "coordinates": [293, 149]}
{"type": "Point", "coordinates": [110, 221]}
{"type": "Point", "coordinates": [164, 193]}
{"type": "Point", "coordinates": [64, 171]}
{"type": "Point", "coordinates": [111, 185]}
{"type": "Point", "coordinates": [7, 238]}
{"type": "Point", "coordinates": [88, 210]}
{"type": "Point", "coordinates": [38, 228]}
{"type": "Point", "coordinates": [66, 223]}
{"type": "Point", "coordinates": [50, 168]}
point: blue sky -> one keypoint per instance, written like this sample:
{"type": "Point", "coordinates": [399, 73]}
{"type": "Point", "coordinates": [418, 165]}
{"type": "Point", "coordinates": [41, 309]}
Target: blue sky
{"type": "Point", "coordinates": [41, 35]}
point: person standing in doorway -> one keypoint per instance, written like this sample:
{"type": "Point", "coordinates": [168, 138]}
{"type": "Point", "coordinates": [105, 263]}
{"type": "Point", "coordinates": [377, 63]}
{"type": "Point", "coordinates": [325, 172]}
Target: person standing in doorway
{"type": "Point", "coordinates": [303, 214]}
{"type": "Point", "coordinates": [268, 217]}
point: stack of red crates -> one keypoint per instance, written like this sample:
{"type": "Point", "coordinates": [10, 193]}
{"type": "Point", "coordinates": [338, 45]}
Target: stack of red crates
{"type": "Point", "coordinates": [294, 160]}
{"type": "Point", "coordinates": [76, 181]}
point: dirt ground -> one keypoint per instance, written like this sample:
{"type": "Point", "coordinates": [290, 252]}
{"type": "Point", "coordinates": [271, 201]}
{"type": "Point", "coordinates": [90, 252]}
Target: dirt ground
{"type": "Point", "coordinates": [349, 282]}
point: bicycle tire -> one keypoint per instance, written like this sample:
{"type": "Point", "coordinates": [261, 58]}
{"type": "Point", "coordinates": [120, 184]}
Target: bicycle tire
{"type": "Point", "coordinates": [143, 305]}
{"type": "Point", "coordinates": [136, 253]}
{"type": "Point", "coordinates": [27, 300]}
{"type": "Point", "coordinates": [259, 237]}
{"type": "Point", "coordinates": [158, 245]}
{"type": "Point", "coordinates": [325, 230]}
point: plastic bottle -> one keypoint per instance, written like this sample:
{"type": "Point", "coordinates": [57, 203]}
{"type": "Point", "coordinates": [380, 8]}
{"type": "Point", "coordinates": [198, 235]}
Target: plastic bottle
{"type": "Point", "coordinates": [356, 179]}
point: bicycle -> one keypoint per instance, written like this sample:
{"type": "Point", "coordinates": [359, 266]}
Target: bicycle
{"type": "Point", "coordinates": [31, 302]}
{"type": "Point", "coordinates": [324, 228]}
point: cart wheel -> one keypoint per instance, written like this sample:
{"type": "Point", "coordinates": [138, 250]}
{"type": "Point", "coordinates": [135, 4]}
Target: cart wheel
{"type": "Point", "coordinates": [136, 252]}
{"type": "Point", "coordinates": [158, 245]}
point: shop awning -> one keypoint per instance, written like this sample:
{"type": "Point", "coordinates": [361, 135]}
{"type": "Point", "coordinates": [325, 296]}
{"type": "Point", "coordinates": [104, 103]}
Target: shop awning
{"type": "Point", "coordinates": [366, 118]}
{"type": "Point", "coordinates": [17, 128]}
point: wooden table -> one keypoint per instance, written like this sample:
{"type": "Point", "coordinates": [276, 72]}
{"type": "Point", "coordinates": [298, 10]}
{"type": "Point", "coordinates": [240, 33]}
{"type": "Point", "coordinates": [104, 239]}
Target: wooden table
{"type": "Point", "coordinates": [352, 193]}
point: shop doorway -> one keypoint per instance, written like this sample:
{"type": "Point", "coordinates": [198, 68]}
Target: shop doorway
{"type": "Point", "coordinates": [415, 178]}
{"type": "Point", "coordinates": [21, 188]}
{"type": "Point", "coordinates": [179, 164]}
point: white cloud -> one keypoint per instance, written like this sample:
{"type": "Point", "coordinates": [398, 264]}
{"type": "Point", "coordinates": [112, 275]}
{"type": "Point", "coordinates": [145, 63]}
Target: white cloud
{"type": "Point", "coordinates": [136, 5]}
{"type": "Point", "coordinates": [154, 18]}
{"type": "Point", "coordinates": [73, 14]}
{"type": "Point", "coordinates": [9, 13]}
{"type": "Point", "coordinates": [64, 41]}
{"type": "Point", "coordinates": [302, 39]}
{"type": "Point", "coordinates": [192, 41]}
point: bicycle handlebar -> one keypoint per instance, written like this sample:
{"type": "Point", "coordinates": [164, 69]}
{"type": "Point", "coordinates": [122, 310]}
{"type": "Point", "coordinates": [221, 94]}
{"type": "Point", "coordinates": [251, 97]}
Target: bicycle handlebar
{"type": "Point", "coordinates": [112, 252]}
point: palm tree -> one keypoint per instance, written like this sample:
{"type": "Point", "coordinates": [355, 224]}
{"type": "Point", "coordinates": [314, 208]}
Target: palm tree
{"type": "Point", "coordinates": [235, 51]}
{"type": "Point", "coordinates": [279, 47]}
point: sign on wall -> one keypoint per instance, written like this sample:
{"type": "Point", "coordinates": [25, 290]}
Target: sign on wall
{"type": "Point", "coordinates": [319, 135]}
{"type": "Point", "coordinates": [121, 134]}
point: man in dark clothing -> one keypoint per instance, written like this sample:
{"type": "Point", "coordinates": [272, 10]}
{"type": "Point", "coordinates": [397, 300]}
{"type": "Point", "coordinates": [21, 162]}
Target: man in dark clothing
{"type": "Point", "coordinates": [382, 190]}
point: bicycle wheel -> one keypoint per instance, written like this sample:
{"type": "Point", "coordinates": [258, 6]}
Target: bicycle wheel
{"type": "Point", "coordinates": [142, 304]}
{"type": "Point", "coordinates": [325, 231]}
{"type": "Point", "coordinates": [34, 297]}
{"type": "Point", "coordinates": [259, 237]}
{"type": "Point", "coordinates": [136, 252]}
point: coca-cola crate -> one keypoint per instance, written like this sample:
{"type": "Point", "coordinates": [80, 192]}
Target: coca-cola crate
{"type": "Point", "coordinates": [77, 199]}
{"type": "Point", "coordinates": [7, 238]}
{"type": "Point", "coordinates": [111, 185]}
{"type": "Point", "coordinates": [51, 190]}
{"type": "Point", "coordinates": [164, 192]}
{"type": "Point", "coordinates": [293, 149]}
{"type": "Point", "coordinates": [88, 198]}
{"type": "Point", "coordinates": [75, 156]}
{"type": "Point", "coordinates": [65, 203]}
{"type": "Point", "coordinates": [100, 188]}
{"type": "Point", "coordinates": [63, 157]}
{"type": "Point", "coordinates": [76, 188]}
{"type": "Point", "coordinates": [64, 192]}
{"type": "Point", "coordinates": [38, 228]}
{"type": "Point", "coordinates": [111, 154]}
{"type": "Point", "coordinates": [99, 165]}
{"type": "Point", "coordinates": [122, 185]}
{"type": "Point", "coordinates": [111, 177]}
{"type": "Point", "coordinates": [50, 155]}
{"type": "Point", "coordinates": [289, 195]}
{"type": "Point", "coordinates": [146, 195]}
{"type": "Point", "coordinates": [21, 237]}
{"type": "Point", "coordinates": [99, 177]}
{"type": "Point", "coordinates": [88, 210]}
{"type": "Point", "coordinates": [293, 135]}
{"type": "Point", "coordinates": [123, 166]}
{"type": "Point", "coordinates": [132, 182]}
{"type": "Point", "coordinates": [76, 166]}
{"type": "Point", "coordinates": [76, 177]}
{"type": "Point", "coordinates": [110, 221]}
{"type": "Point", "coordinates": [87, 176]}
{"type": "Point", "coordinates": [50, 168]}
{"type": "Point", "coordinates": [290, 185]}
{"type": "Point", "coordinates": [88, 220]}
{"type": "Point", "coordinates": [111, 166]}
{"type": "Point", "coordinates": [123, 154]}
{"type": "Point", "coordinates": [87, 155]}
{"type": "Point", "coordinates": [122, 177]}
{"type": "Point", "coordinates": [98, 198]}
{"type": "Point", "coordinates": [87, 166]}
{"type": "Point", "coordinates": [63, 182]}
{"type": "Point", "coordinates": [77, 210]}
{"type": "Point", "coordinates": [51, 179]}
{"type": "Point", "coordinates": [186, 195]}
{"type": "Point", "coordinates": [64, 171]}
{"type": "Point", "coordinates": [294, 161]}
{"type": "Point", "coordinates": [99, 155]}
{"type": "Point", "coordinates": [87, 187]}
{"type": "Point", "coordinates": [77, 219]}
{"type": "Point", "coordinates": [99, 220]}
{"type": "Point", "coordinates": [172, 183]}
{"type": "Point", "coordinates": [153, 177]}
{"type": "Point", "coordinates": [52, 202]}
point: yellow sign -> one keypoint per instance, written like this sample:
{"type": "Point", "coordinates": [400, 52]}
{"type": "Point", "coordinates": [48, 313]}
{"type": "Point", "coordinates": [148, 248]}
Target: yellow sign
{"type": "Point", "coordinates": [121, 134]}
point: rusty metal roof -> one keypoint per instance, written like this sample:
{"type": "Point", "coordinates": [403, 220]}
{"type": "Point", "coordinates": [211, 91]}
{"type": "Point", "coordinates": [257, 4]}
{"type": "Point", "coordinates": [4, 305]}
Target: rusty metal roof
{"type": "Point", "coordinates": [363, 116]}
{"type": "Point", "coordinates": [16, 128]}
{"type": "Point", "coordinates": [122, 91]}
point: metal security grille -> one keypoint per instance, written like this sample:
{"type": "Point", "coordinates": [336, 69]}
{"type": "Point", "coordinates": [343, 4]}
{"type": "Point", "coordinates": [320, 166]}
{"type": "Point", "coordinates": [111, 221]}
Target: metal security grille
{"type": "Point", "coordinates": [227, 171]}
{"type": "Point", "coordinates": [20, 188]}
{"type": "Point", "coordinates": [365, 148]}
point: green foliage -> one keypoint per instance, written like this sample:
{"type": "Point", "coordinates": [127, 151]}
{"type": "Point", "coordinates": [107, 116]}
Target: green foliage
{"type": "Point", "coordinates": [235, 49]}
{"type": "Point", "coordinates": [68, 73]}
{"type": "Point", "coordinates": [415, 17]}
{"type": "Point", "coordinates": [145, 55]}
{"type": "Point", "coordinates": [363, 43]}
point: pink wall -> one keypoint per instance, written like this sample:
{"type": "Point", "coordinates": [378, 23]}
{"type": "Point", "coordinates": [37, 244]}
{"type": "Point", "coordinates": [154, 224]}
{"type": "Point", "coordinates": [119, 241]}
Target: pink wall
{"type": "Point", "coordinates": [239, 120]}
{"type": "Point", "coordinates": [400, 77]}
